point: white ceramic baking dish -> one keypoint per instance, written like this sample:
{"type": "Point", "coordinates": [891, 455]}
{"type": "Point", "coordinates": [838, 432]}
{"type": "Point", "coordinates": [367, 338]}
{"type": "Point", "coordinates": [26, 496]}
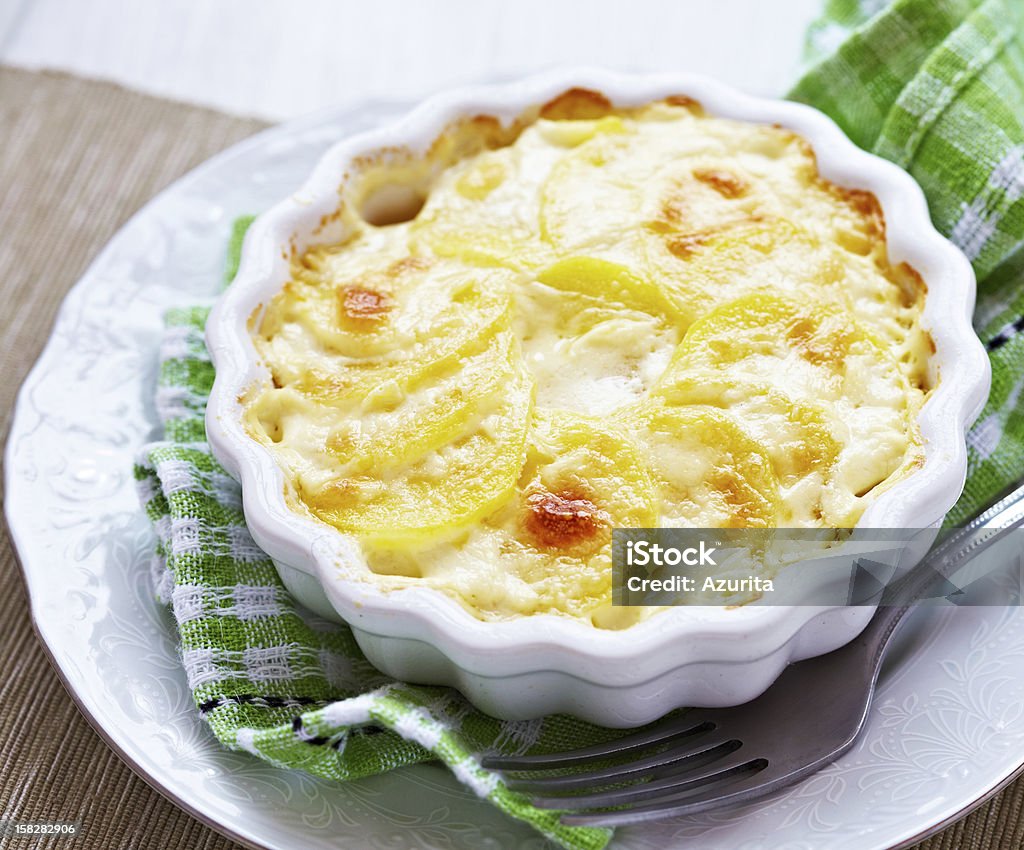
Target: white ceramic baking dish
{"type": "Point", "coordinates": [529, 667]}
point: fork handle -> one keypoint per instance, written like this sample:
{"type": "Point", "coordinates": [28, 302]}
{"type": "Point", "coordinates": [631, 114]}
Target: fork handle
{"type": "Point", "coordinates": [987, 528]}
{"type": "Point", "coordinates": [984, 530]}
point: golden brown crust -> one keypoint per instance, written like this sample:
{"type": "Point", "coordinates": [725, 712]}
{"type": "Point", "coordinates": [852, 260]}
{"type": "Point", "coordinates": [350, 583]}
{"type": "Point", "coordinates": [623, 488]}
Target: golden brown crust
{"type": "Point", "coordinates": [865, 205]}
{"type": "Point", "coordinates": [469, 136]}
{"type": "Point", "coordinates": [363, 307]}
{"type": "Point", "coordinates": [562, 520]}
{"type": "Point", "coordinates": [745, 507]}
{"type": "Point", "coordinates": [913, 289]}
{"type": "Point", "coordinates": [817, 348]}
{"type": "Point", "coordinates": [727, 184]}
{"type": "Point", "coordinates": [408, 264]}
{"type": "Point", "coordinates": [576, 104]}
{"type": "Point", "coordinates": [686, 245]}
{"type": "Point", "coordinates": [684, 101]}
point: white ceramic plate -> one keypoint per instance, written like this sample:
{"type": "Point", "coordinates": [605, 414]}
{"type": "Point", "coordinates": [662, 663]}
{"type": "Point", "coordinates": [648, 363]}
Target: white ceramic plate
{"type": "Point", "coordinates": [946, 730]}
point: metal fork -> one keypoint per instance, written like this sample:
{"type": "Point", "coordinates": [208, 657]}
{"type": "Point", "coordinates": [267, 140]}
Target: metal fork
{"type": "Point", "coordinates": [707, 758]}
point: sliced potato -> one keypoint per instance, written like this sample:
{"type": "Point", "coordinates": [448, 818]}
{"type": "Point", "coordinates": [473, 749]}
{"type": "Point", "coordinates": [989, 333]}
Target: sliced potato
{"type": "Point", "coordinates": [612, 283]}
{"type": "Point", "coordinates": [809, 349]}
{"type": "Point", "coordinates": [478, 218]}
{"type": "Point", "coordinates": [587, 196]}
{"type": "Point", "coordinates": [797, 434]}
{"type": "Point", "coordinates": [580, 457]}
{"type": "Point", "coordinates": [429, 419]}
{"type": "Point", "coordinates": [572, 132]}
{"type": "Point", "coordinates": [814, 353]}
{"type": "Point", "coordinates": [438, 495]}
{"type": "Point", "coordinates": [465, 324]}
{"type": "Point", "coordinates": [709, 471]}
{"type": "Point", "coordinates": [706, 268]}
{"type": "Point", "coordinates": [799, 437]}
{"type": "Point", "coordinates": [581, 478]}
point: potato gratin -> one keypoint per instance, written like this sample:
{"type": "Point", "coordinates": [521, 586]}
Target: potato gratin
{"type": "Point", "coordinates": [599, 318]}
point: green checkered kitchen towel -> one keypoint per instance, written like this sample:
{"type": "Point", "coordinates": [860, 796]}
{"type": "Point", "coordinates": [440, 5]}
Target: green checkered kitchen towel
{"type": "Point", "coordinates": [936, 85]}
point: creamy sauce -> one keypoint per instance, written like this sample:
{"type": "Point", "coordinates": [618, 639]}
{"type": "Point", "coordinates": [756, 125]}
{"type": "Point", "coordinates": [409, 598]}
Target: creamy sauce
{"type": "Point", "coordinates": [650, 318]}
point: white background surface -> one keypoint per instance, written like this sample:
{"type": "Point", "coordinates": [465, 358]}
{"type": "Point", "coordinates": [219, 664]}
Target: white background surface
{"type": "Point", "coordinates": [279, 58]}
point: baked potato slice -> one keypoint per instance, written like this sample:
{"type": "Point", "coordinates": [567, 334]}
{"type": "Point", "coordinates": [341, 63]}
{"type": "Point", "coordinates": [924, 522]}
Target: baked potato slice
{"type": "Point", "coordinates": [709, 471]}
{"type": "Point", "coordinates": [430, 498]}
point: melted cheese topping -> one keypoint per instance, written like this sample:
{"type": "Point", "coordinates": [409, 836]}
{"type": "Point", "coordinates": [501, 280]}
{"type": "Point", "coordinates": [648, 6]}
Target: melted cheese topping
{"type": "Point", "coordinates": [638, 318]}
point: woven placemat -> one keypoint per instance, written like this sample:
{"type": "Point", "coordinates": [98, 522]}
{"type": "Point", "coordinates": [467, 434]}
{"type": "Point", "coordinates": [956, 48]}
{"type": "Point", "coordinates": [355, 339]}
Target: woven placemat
{"type": "Point", "coordinates": [77, 158]}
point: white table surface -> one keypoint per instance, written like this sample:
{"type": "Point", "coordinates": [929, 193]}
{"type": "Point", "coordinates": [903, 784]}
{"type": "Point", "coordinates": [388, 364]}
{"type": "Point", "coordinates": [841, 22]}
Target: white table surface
{"type": "Point", "coordinates": [279, 58]}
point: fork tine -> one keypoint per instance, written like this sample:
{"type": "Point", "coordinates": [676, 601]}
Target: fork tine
{"type": "Point", "coordinates": [624, 772]}
{"type": "Point", "coordinates": [688, 779]}
{"type": "Point", "coordinates": [746, 785]}
{"type": "Point", "coordinates": [663, 732]}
